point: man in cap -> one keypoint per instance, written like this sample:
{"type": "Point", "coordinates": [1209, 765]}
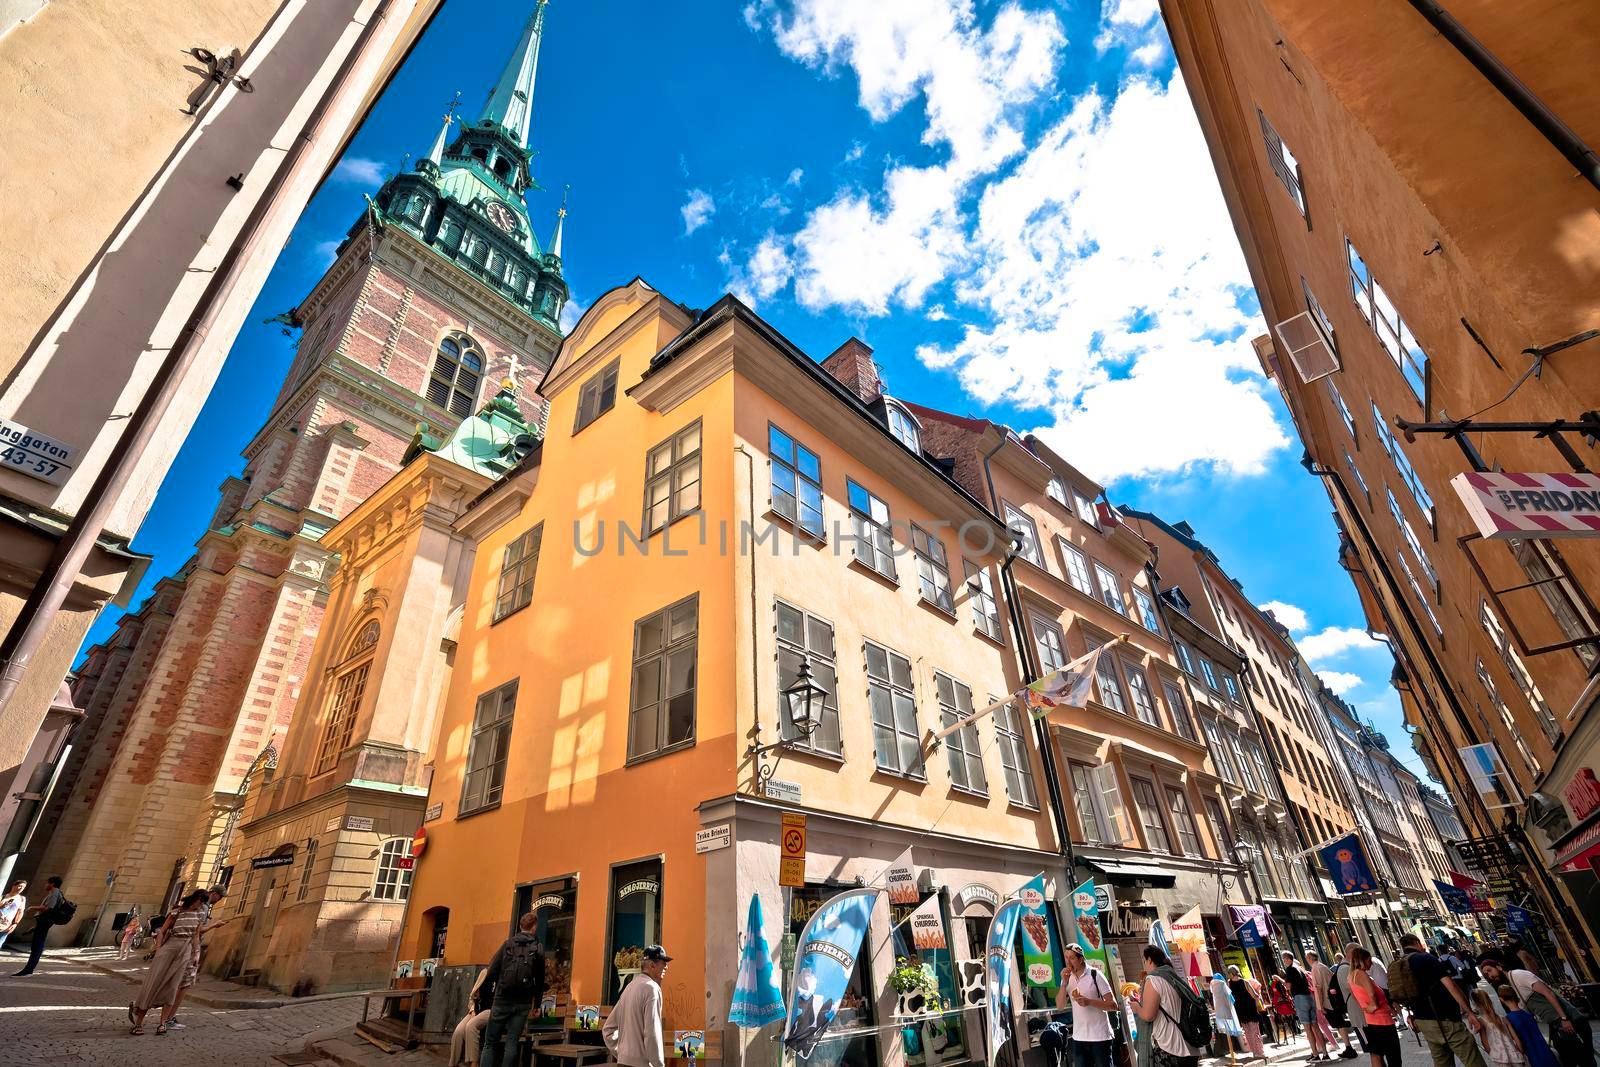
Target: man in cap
{"type": "Point", "coordinates": [633, 1029]}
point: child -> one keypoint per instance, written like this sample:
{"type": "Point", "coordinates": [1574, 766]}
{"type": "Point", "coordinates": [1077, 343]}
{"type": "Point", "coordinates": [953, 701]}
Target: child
{"type": "Point", "coordinates": [1527, 1029]}
{"type": "Point", "coordinates": [1283, 1008]}
{"type": "Point", "coordinates": [1499, 1040]}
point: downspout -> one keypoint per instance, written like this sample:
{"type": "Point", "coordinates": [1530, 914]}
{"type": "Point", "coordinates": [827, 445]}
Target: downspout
{"type": "Point", "coordinates": [755, 655]}
{"type": "Point", "coordinates": [27, 633]}
{"type": "Point", "coordinates": [1561, 136]}
{"type": "Point", "coordinates": [1041, 729]}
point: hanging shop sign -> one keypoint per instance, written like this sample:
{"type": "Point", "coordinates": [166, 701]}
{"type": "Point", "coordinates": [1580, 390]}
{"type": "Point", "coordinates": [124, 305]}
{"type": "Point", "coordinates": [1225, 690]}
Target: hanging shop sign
{"type": "Point", "coordinates": [1086, 917]}
{"type": "Point", "coordinates": [901, 881]}
{"type": "Point", "coordinates": [1507, 505]}
{"type": "Point", "coordinates": [1037, 958]}
{"type": "Point", "coordinates": [1519, 921]}
{"type": "Point", "coordinates": [1346, 859]}
{"type": "Point", "coordinates": [976, 893]}
{"type": "Point", "coordinates": [31, 453]}
{"type": "Point", "coordinates": [1582, 794]}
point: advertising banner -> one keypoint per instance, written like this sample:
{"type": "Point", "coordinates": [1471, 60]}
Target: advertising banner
{"type": "Point", "coordinates": [1086, 917]}
{"type": "Point", "coordinates": [927, 926]}
{"type": "Point", "coordinates": [1002, 936]}
{"type": "Point", "coordinates": [1348, 866]}
{"type": "Point", "coordinates": [901, 879]}
{"type": "Point", "coordinates": [1519, 920]}
{"type": "Point", "coordinates": [1507, 504]}
{"type": "Point", "coordinates": [1474, 890]}
{"type": "Point", "coordinates": [1037, 958]}
{"type": "Point", "coordinates": [825, 957]}
{"type": "Point", "coordinates": [1455, 898]}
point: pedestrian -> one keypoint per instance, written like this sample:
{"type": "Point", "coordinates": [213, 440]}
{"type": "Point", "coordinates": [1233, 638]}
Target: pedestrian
{"type": "Point", "coordinates": [1247, 1005]}
{"type": "Point", "coordinates": [1305, 1006]}
{"type": "Point", "coordinates": [1162, 1002]}
{"type": "Point", "coordinates": [1283, 1008]}
{"type": "Point", "coordinates": [197, 941]}
{"type": "Point", "coordinates": [1526, 1026]}
{"type": "Point", "coordinates": [464, 1038]}
{"type": "Point", "coordinates": [633, 1029]}
{"type": "Point", "coordinates": [1499, 1037]}
{"type": "Point", "coordinates": [516, 971]}
{"type": "Point", "coordinates": [1332, 1013]}
{"type": "Point", "coordinates": [129, 934]}
{"type": "Point", "coordinates": [53, 910]}
{"type": "Point", "coordinates": [1570, 1033]}
{"type": "Point", "coordinates": [1439, 1010]}
{"type": "Point", "coordinates": [1378, 1032]}
{"type": "Point", "coordinates": [1092, 1000]}
{"type": "Point", "coordinates": [1342, 974]}
{"type": "Point", "coordinates": [12, 909]}
{"type": "Point", "coordinates": [165, 978]}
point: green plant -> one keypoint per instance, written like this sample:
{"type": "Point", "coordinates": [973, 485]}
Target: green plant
{"type": "Point", "coordinates": [909, 976]}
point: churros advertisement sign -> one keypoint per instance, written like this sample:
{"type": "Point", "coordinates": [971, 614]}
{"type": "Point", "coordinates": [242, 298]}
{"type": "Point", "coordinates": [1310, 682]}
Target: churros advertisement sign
{"type": "Point", "coordinates": [1038, 960]}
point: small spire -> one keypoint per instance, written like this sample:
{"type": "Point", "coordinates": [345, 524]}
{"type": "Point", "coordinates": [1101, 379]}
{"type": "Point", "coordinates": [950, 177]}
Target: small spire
{"type": "Point", "coordinates": [561, 218]}
{"type": "Point", "coordinates": [436, 154]}
{"type": "Point", "coordinates": [511, 102]}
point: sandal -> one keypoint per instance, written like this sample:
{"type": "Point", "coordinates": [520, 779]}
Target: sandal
{"type": "Point", "coordinates": [161, 1030]}
{"type": "Point", "coordinates": [136, 1031]}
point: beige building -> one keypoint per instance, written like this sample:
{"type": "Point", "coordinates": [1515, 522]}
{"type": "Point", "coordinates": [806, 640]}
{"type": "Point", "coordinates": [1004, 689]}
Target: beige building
{"type": "Point", "coordinates": [122, 304]}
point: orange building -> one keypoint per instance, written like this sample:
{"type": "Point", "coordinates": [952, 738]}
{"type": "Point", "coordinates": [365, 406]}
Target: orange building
{"type": "Point", "coordinates": [711, 508]}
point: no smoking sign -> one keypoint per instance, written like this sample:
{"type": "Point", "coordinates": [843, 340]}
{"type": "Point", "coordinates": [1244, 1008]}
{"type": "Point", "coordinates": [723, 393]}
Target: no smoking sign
{"type": "Point", "coordinates": [792, 841]}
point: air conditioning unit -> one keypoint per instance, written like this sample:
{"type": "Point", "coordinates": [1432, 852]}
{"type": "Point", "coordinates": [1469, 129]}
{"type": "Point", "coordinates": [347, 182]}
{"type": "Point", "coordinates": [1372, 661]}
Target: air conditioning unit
{"type": "Point", "coordinates": [1307, 347]}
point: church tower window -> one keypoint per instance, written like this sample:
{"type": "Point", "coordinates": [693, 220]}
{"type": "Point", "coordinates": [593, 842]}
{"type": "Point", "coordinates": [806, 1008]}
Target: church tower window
{"type": "Point", "coordinates": [457, 369]}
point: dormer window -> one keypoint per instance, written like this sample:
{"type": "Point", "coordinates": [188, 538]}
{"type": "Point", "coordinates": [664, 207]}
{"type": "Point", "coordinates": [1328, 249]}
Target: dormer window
{"type": "Point", "coordinates": [904, 427]}
{"type": "Point", "coordinates": [457, 370]}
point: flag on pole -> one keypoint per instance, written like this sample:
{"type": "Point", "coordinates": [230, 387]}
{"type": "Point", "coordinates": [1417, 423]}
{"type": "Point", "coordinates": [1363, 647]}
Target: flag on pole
{"type": "Point", "coordinates": [757, 1000]}
{"type": "Point", "coordinates": [826, 956]}
{"type": "Point", "coordinates": [1002, 960]}
{"type": "Point", "coordinates": [1067, 686]}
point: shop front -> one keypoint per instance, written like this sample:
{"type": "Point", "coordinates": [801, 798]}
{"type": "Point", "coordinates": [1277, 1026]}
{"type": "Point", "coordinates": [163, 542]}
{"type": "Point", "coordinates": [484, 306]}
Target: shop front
{"type": "Point", "coordinates": [1305, 926]}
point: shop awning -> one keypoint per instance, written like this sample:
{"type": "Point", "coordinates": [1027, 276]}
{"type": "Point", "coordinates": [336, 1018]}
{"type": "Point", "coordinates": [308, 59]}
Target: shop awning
{"type": "Point", "coordinates": [1121, 872]}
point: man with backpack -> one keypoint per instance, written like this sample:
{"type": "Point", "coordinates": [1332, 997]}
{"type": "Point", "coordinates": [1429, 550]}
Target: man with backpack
{"type": "Point", "coordinates": [1440, 1013]}
{"type": "Point", "coordinates": [516, 973]}
{"type": "Point", "coordinates": [53, 910]}
{"type": "Point", "coordinates": [1571, 1036]}
{"type": "Point", "coordinates": [1331, 1003]}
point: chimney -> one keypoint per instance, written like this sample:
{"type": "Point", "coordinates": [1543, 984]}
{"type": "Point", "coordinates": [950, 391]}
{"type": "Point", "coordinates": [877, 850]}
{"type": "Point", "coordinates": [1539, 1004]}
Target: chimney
{"type": "Point", "coordinates": [852, 367]}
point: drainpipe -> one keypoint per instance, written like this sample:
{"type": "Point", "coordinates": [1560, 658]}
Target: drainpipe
{"type": "Point", "coordinates": [27, 633]}
{"type": "Point", "coordinates": [1561, 136]}
{"type": "Point", "coordinates": [1041, 729]}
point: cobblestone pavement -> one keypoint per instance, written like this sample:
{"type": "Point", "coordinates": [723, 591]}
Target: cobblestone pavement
{"type": "Point", "coordinates": [67, 1013]}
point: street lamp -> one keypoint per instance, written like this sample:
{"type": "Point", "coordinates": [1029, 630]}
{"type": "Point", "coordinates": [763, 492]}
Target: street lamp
{"type": "Point", "coordinates": [803, 701]}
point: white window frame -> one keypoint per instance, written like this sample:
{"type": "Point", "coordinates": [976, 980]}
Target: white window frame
{"type": "Point", "coordinates": [1391, 330]}
{"type": "Point", "coordinates": [1108, 813]}
{"type": "Point", "coordinates": [1085, 509]}
{"type": "Point", "coordinates": [827, 739]}
{"type": "Point", "coordinates": [1075, 565]}
{"type": "Point", "coordinates": [900, 698]}
{"type": "Point", "coordinates": [964, 754]}
{"type": "Point", "coordinates": [1027, 533]}
{"type": "Point", "coordinates": [390, 881]}
{"type": "Point", "coordinates": [1110, 588]}
{"type": "Point", "coordinates": [873, 538]}
{"type": "Point", "coordinates": [985, 608]}
{"type": "Point", "coordinates": [903, 426]}
{"type": "Point", "coordinates": [1015, 758]}
{"type": "Point", "coordinates": [1146, 604]}
{"type": "Point", "coordinates": [933, 569]}
{"type": "Point", "coordinates": [1408, 473]}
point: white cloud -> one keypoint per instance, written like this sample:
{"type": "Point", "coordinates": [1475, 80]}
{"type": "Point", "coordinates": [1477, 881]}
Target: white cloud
{"type": "Point", "coordinates": [1127, 21]}
{"type": "Point", "coordinates": [1341, 682]}
{"type": "Point", "coordinates": [358, 170]}
{"type": "Point", "coordinates": [1291, 616]}
{"type": "Point", "coordinates": [1328, 643]}
{"type": "Point", "coordinates": [794, 177]}
{"type": "Point", "coordinates": [325, 252]}
{"type": "Point", "coordinates": [1114, 294]}
{"type": "Point", "coordinates": [697, 210]}
{"type": "Point", "coordinates": [768, 270]}
{"type": "Point", "coordinates": [856, 148]}
{"type": "Point", "coordinates": [1149, 54]}
{"type": "Point", "coordinates": [571, 312]}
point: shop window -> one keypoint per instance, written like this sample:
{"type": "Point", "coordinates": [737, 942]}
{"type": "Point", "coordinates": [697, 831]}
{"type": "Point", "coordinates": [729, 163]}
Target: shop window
{"type": "Point", "coordinates": [933, 569]}
{"type": "Point", "coordinates": [635, 922]}
{"type": "Point", "coordinates": [1144, 702]}
{"type": "Point", "coordinates": [896, 738]}
{"type": "Point", "coordinates": [1027, 535]}
{"type": "Point", "coordinates": [393, 878]}
{"type": "Point", "coordinates": [940, 1040]}
{"type": "Point", "coordinates": [457, 370]}
{"type": "Point", "coordinates": [1075, 565]}
{"type": "Point", "coordinates": [306, 867]}
{"type": "Point", "coordinates": [1101, 814]}
{"type": "Point", "coordinates": [962, 748]}
{"type": "Point", "coordinates": [1183, 822]}
{"type": "Point", "coordinates": [555, 916]}
{"type": "Point", "coordinates": [488, 749]}
{"type": "Point", "coordinates": [873, 543]}
{"type": "Point", "coordinates": [349, 686]}
{"type": "Point", "coordinates": [1110, 588]}
{"type": "Point", "coordinates": [597, 395]}
{"type": "Point", "coordinates": [520, 564]}
{"type": "Point", "coordinates": [1149, 808]}
{"type": "Point", "coordinates": [802, 635]}
{"type": "Point", "coordinates": [1147, 610]}
{"type": "Point", "coordinates": [852, 1039]}
{"type": "Point", "coordinates": [796, 481]}
{"type": "Point", "coordinates": [672, 479]}
{"type": "Point", "coordinates": [1179, 708]}
{"type": "Point", "coordinates": [1008, 725]}
{"type": "Point", "coordinates": [662, 706]}
{"type": "Point", "coordinates": [980, 594]}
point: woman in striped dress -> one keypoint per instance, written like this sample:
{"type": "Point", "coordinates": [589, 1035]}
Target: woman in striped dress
{"type": "Point", "coordinates": [173, 950]}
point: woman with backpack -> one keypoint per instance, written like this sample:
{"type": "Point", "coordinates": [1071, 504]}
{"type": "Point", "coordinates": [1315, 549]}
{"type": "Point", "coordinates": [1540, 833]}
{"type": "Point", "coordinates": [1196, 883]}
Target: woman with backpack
{"type": "Point", "coordinates": [1180, 1025]}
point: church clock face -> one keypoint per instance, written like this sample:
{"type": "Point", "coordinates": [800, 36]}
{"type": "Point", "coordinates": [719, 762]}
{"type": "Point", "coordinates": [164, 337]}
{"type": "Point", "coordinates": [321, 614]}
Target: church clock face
{"type": "Point", "coordinates": [501, 216]}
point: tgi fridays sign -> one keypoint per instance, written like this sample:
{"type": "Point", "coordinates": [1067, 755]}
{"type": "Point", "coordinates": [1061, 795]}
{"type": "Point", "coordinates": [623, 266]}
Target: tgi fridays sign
{"type": "Point", "coordinates": [1509, 505]}
{"type": "Point", "coordinates": [1582, 794]}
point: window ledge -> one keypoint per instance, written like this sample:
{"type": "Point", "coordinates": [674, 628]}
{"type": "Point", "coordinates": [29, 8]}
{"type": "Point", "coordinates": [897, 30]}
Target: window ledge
{"type": "Point", "coordinates": [1018, 805]}
{"type": "Point", "coordinates": [498, 619]}
{"type": "Point", "coordinates": [887, 579]}
{"type": "Point", "coordinates": [939, 609]}
{"type": "Point", "coordinates": [968, 793]}
{"type": "Point", "coordinates": [880, 771]}
{"type": "Point", "coordinates": [816, 753]}
{"type": "Point", "coordinates": [810, 537]}
{"type": "Point", "coordinates": [476, 811]}
{"type": "Point", "coordinates": [680, 746]}
{"type": "Point", "coordinates": [999, 641]}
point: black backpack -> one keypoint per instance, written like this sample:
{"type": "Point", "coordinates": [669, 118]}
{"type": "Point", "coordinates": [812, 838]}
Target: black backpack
{"type": "Point", "coordinates": [1336, 1003]}
{"type": "Point", "coordinates": [521, 966]}
{"type": "Point", "coordinates": [1194, 1018]}
{"type": "Point", "coordinates": [62, 912]}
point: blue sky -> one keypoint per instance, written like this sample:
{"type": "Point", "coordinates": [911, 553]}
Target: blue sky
{"type": "Point", "coordinates": [1010, 202]}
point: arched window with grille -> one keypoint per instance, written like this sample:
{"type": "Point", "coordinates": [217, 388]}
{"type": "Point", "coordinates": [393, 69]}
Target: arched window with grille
{"type": "Point", "coordinates": [392, 880]}
{"type": "Point", "coordinates": [457, 370]}
{"type": "Point", "coordinates": [344, 701]}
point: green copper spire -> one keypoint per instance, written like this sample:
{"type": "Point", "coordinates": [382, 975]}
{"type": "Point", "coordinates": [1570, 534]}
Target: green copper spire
{"type": "Point", "coordinates": [511, 103]}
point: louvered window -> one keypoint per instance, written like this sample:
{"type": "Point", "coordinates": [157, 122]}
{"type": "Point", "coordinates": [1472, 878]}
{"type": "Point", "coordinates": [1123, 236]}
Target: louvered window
{"type": "Point", "coordinates": [457, 372]}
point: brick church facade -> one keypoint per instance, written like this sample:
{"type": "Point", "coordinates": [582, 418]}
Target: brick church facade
{"type": "Point", "coordinates": [439, 298]}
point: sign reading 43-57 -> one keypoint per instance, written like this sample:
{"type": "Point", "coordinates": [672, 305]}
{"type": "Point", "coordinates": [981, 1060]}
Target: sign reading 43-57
{"type": "Point", "coordinates": [32, 453]}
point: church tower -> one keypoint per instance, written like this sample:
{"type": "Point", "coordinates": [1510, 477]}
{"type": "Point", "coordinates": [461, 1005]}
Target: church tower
{"type": "Point", "coordinates": [440, 298]}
